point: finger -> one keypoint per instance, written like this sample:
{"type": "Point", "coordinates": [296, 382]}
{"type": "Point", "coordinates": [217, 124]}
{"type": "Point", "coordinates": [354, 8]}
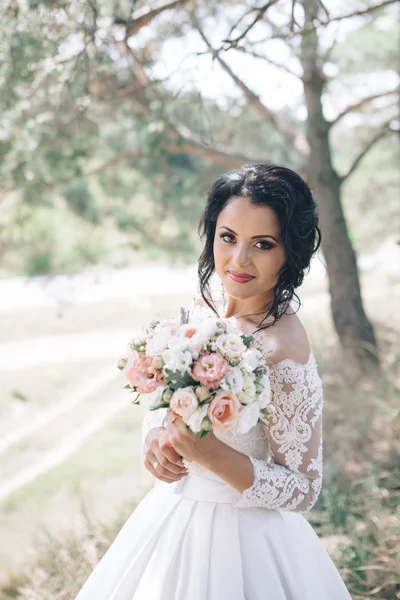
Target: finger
{"type": "Point", "coordinates": [168, 450]}
{"type": "Point", "coordinates": [166, 467]}
{"type": "Point", "coordinates": [173, 456]}
{"type": "Point", "coordinates": [159, 472]}
{"type": "Point", "coordinates": [160, 477]}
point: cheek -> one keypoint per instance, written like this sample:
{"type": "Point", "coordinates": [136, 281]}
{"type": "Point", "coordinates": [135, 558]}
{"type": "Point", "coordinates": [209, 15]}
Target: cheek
{"type": "Point", "coordinates": [270, 264]}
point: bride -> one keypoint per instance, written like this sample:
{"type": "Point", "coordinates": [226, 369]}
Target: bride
{"type": "Point", "coordinates": [224, 520]}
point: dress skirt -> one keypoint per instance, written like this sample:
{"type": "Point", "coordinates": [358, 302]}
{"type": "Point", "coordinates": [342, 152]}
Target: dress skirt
{"type": "Point", "coordinates": [186, 541]}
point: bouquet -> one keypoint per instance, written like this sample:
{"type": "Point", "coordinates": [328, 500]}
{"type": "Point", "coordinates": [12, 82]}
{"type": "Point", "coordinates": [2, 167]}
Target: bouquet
{"type": "Point", "coordinates": [204, 369]}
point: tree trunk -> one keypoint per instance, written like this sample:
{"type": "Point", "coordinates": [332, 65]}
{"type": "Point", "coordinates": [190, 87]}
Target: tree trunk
{"type": "Point", "coordinates": [355, 332]}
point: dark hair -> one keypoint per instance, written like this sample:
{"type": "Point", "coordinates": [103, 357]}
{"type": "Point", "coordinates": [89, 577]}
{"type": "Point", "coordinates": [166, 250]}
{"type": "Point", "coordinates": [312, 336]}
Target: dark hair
{"type": "Point", "coordinates": [290, 197]}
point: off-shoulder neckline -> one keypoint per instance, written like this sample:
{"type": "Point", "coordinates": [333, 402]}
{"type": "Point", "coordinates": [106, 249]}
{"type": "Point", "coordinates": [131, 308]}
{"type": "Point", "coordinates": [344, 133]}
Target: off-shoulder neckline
{"type": "Point", "coordinates": [290, 361]}
{"type": "Point", "coordinates": [285, 361]}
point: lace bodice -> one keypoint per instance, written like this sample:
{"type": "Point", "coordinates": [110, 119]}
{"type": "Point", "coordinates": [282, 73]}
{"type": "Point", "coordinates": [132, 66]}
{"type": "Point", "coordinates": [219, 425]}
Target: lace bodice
{"type": "Point", "coordinates": [287, 454]}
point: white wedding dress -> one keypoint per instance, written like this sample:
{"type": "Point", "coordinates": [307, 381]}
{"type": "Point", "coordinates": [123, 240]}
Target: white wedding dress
{"type": "Point", "coordinates": [201, 539]}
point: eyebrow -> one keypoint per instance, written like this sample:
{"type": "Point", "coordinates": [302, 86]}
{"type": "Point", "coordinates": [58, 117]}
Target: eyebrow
{"type": "Point", "coordinates": [255, 237]}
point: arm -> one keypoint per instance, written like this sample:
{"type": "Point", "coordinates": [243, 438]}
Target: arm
{"type": "Point", "coordinates": [292, 478]}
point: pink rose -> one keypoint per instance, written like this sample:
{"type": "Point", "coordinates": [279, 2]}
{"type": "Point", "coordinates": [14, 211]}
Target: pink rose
{"type": "Point", "coordinates": [184, 402]}
{"type": "Point", "coordinates": [209, 370]}
{"type": "Point", "coordinates": [223, 411]}
{"type": "Point", "coordinates": [145, 374]}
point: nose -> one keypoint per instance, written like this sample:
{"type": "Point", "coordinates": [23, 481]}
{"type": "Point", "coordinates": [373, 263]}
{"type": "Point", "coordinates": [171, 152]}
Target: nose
{"type": "Point", "coordinates": [242, 255]}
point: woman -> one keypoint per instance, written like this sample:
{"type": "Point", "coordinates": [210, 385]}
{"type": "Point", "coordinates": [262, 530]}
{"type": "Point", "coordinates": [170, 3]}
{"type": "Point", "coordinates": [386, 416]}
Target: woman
{"type": "Point", "coordinates": [230, 526]}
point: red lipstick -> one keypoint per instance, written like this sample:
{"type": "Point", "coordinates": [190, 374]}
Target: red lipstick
{"type": "Point", "coordinates": [240, 277]}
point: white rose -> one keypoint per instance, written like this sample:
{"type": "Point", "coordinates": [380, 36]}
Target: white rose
{"type": "Point", "coordinates": [234, 379]}
{"type": "Point", "coordinates": [196, 420]}
{"type": "Point", "coordinates": [265, 396]}
{"type": "Point", "coordinates": [248, 417]}
{"type": "Point", "coordinates": [248, 394]}
{"type": "Point", "coordinates": [154, 399]}
{"type": "Point", "coordinates": [184, 402]}
{"type": "Point", "coordinates": [231, 347]}
{"type": "Point", "coordinates": [158, 343]}
{"type": "Point", "coordinates": [177, 361]}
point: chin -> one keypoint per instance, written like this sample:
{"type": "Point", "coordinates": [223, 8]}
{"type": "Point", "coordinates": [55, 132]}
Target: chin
{"type": "Point", "coordinates": [237, 292]}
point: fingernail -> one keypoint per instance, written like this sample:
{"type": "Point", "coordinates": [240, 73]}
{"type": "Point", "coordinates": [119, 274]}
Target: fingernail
{"type": "Point", "coordinates": [180, 463]}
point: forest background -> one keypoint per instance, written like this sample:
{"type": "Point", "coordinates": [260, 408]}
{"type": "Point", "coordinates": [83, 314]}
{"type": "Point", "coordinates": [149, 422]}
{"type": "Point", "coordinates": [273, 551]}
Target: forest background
{"type": "Point", "coordinates": [116, 117]}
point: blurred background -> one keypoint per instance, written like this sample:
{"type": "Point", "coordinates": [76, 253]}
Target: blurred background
{"type": "Point", "coordinates": [116, 117]}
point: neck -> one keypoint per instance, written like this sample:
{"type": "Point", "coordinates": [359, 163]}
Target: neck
{"type": "Point", "coordinates": [256, 308]}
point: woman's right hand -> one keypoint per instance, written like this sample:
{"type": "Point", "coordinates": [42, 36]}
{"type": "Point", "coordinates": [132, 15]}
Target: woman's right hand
{"type": "Point", "coordinates": [170, 466]}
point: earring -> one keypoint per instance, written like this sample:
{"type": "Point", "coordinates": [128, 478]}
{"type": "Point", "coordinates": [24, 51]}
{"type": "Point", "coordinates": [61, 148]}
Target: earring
{"type": "Point", "coordinates": [223, 297]}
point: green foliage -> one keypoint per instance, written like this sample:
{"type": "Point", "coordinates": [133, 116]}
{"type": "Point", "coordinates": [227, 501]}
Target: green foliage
{"type": "Point", "coordinates": [82, 200]}
{"type": "Point", "coordinates": [72, 103]}
{"type": "Point", "coordinates": [176, 380]}
{"type": "Point", "coordinates": [247, 340]}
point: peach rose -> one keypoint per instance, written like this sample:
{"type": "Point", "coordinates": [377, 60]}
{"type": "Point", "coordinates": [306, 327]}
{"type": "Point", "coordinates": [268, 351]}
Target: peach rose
{"type": "Point", "coordinates": [210, 369]}
{"type": "Point", "coordinates": [223, 411]}
{"type": "Point", "coordinates": [184, 402]}
{"type": "Point", "coordinates": [145, 375]}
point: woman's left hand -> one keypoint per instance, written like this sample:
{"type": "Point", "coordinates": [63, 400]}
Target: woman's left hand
{"type": "Point", "coordinates": [184, 442]}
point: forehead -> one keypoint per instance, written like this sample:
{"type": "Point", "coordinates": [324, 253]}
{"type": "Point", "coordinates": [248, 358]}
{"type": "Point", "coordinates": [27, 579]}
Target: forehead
{"type": "Point", "coordinates": [248, 219]}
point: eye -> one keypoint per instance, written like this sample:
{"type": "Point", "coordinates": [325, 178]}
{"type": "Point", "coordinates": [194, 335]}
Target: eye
{"type": "Point", "coordinates": [266, 245]}
{"type": "Point", "coordinates": [225, 235]}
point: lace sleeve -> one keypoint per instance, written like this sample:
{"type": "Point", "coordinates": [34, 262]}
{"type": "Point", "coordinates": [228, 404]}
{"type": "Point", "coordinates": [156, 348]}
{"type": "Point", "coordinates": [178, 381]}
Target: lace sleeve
{"type": "Point", "coordinates": [151, 420]}
{"type": "Point", "coordinates": [292, 479]}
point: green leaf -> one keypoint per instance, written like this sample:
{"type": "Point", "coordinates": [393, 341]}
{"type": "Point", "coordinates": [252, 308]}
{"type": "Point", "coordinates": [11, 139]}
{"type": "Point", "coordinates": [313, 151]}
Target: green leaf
{"type": "Point", "coordinates": [247, 340]}
{"type": "Point", "coordinates": [178, 380]}
{"type": "Point", "coordinates": [203, 434]}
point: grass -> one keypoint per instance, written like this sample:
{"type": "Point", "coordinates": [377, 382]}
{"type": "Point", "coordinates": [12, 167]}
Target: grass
{"type": "Point", "coordinates": [28, 394]}
{"type": "Point", "coordinates": [103, 474]}
{"type": "Point", "coordinates": [87, 499]}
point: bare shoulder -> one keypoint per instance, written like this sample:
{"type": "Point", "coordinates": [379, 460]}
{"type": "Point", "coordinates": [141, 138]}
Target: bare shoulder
{"type": "Point", "coordinates": [287, 339]}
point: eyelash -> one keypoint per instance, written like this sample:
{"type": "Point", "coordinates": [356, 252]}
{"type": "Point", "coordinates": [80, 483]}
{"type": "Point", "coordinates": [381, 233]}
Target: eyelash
{"type": "Point", "coordinates": [269, 246]}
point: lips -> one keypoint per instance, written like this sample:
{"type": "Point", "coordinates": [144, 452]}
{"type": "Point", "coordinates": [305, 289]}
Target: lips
{"type": "Point", "coordinates": [240, 277]}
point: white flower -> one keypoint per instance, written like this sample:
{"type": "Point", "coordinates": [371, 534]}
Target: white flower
{"type": "Point", "coordinates": [248, 417]}
{"type": "Point", "coordinates": [132, 356]}
{"type": "Point", "coordinates": [158, 343]}
{"type": "Point", "coordinates": [166, 326]}
{"type": "Point", "coordinates": [265, 396]}
{"type": "Point", "coordinates": [178, 343]}
{"type": "Point", "coordinates": [231, 347]}
{"type": "Point", "coordinates": [196, 420]}
{"type": "Point", "coordinates": [199, 313]}
{"type": "Point", "coordinates": [154, 399]}
{"type": "Point", "coordinates": [234, 379]}
{"type": "Point", "coordinates": [208, 328]}
{"type": "Point", "coordinates": [194, 336]}
{"type": "Point", "coordinates": [249, 391]}
{"type": "Point", "coordinates": [252, 359]}
{"type": "Point", "coordinates": [177, 361]}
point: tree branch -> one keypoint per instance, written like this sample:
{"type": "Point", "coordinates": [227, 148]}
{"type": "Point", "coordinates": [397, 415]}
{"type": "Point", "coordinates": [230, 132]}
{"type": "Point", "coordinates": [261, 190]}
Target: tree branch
{"type": "Point", "coordinates": [360, 13]}
{"type": "Point", "coordinates": [143, 16]}
{"type": "Point", "coordinates": [268, 60]}
{"type": "Point", "coordinates": [286, 34]}
{"type": "Point", "coordinates": [252, 98]}
{"type": "Point", "coordinates": [232, 43]}
{"type": "Point", "coordinates": [383, 132]}
{"type": "Point", "coordinates": [359, 104]}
